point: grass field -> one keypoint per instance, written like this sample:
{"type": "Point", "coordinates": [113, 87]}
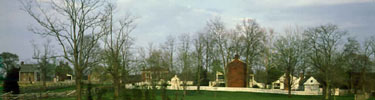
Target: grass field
{"type": "Point", "coordinates": [210, 95]}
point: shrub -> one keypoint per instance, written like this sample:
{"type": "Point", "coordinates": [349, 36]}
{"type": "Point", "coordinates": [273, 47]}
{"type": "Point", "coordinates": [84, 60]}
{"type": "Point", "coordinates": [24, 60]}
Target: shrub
{"type": "Point", "coordinates": [89, 94]}
{"type": "Point", "coordinates": [137, 94]}
{"type": "Point", "coordinates": [164, 95]}
{"type": "Point", "coordinates": [11, 81]}
{"type": "Point", "coordinates": [126, 95]}
{"type": "Point", "coordinates": [100, 93]}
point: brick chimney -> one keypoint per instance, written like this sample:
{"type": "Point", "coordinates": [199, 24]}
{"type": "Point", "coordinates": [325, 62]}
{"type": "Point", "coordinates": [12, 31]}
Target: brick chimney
{"type": "Point", "coordinates": [236, 56]}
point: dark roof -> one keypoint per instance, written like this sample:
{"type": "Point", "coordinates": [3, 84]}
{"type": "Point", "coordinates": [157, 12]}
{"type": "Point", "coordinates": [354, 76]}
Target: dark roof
{"type": "Point", "coordinates": [29, 68]}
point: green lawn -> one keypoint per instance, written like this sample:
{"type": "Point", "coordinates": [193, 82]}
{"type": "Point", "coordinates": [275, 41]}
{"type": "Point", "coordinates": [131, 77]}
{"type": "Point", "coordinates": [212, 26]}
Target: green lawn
{"type": "Point", "coordinates": [209, 95]}
{"type": "Point", "coordinates": [63, 89]}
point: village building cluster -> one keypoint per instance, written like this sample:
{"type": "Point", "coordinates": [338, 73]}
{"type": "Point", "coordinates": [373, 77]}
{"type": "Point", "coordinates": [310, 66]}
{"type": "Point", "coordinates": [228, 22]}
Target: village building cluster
{"type": "Point", "coordinates": [236, 77]}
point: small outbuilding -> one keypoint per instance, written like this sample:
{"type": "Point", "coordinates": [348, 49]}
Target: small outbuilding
{"type": "Point", "coordinates": [219, 81]}
{"type": "Point", "coordinates": [311, 84]}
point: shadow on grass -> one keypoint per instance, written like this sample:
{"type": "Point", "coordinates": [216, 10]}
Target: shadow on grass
{"type": "Point", "coordinates": [216, 95]}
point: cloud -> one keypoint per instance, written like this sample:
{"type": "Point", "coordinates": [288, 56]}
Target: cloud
{"type": "Point", "coordinates": [159, 18]}
{"type": "Point", "coordinates": [300, 3]}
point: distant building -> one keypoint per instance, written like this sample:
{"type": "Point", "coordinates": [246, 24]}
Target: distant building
{"type": "Point", "coordinates": [29, 73]}
{"type": "Point", "coordinates": [311, 84]}
{"type": "Point", "coordinates": [154, 73]}
{"type": "Point", "coordinates": [63, 72]}
{"type": "Point", "coordinates": [219, 81]}
{"type": "Point", "coordinates": [253, 83]}
{"type": "Point", "coordinates": [281, 83]}
{"type": "Point", "coordinates": [236, 76]}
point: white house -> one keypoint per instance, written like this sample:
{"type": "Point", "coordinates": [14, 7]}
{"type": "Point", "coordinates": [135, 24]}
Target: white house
{"type": "Point", "coordinates": [279, 84]}
{"type": "Point", "coordinates": [253, 82]}
{"type": "Point", "coordinates": [311, 84]}
{"type": "Point", "coordinates": [219, 80]}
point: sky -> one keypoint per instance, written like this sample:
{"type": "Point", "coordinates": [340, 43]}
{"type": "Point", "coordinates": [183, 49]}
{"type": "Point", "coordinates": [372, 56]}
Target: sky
{"type": "Point", "coordinates": [156, 19]}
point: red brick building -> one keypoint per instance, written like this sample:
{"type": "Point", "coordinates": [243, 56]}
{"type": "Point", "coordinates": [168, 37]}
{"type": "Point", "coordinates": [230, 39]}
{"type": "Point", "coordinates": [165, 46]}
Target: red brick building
{"type": "Point", "coordinates": [236, 76]}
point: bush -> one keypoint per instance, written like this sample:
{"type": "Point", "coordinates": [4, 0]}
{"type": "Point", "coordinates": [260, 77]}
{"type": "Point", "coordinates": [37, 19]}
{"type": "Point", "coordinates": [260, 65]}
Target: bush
{"type": "Point", "coordinates": [101, 93]}
{"type": "Point", "coordinates": [137, 94]}
{"type": "Point", "coordinates": [11, 81]}
{"type": "Point", "coordinates": [89, 94]}
{"type": "Point", "coordinates": [125, 94]}
{"type": "Point", "coordinates": [164, 95]}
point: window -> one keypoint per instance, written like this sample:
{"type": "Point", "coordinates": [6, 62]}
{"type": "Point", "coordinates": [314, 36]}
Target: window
{"type": "Point", "coordinates": [220, 77]}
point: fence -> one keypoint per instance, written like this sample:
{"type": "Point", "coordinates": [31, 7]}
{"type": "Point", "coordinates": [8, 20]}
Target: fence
{"type": "Point", "coordinates": [32, 96]}
{"type": "Point", "coordinates": [29, 91]}
{"type": "Point", "coordinates": [234, 89]}
{"type": "Point", "coordinates": [27, 88]}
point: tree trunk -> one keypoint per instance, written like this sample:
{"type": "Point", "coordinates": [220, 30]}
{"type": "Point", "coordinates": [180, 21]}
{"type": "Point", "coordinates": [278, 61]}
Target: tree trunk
{"type": "Point", "coordinates": [116, 88]}
{"type": "Point", "coordinates": [351, 83]}
{"type": "Point", "coordinates": [44, 81]}
{"type": "Point", "coordinates": [116, 79]}
{"type": "Point", "coordinates": [78, 86]}
{"type": "Point", "coordinates": [207, 53]}
{"type": "Point", "coordinates": [327, 92]}
{"type": "Point", "coordinates": [248, 68]}
{"type": "Point", "coordinates": [363, 80]}
{"type": "Point", "coordinates": [247, 75]}
{"type": "Point", "coordinates": [185, 85]}
{"type": "Point", "coordinates": [289, 85]}
{"type": "Point", "coordinates": [199, 71]}
{"type": "Point", "coordinates": [199, 79]}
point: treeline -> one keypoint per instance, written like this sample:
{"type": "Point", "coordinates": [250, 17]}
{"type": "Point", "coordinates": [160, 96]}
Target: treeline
{"type": "Point", "coordinates": [94, 40]}
{"type": "Point", "coordinates": [325, 52]}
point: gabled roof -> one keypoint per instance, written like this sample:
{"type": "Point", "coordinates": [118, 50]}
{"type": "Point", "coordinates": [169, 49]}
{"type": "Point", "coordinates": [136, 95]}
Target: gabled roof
{"type": "Point", "coordinates": [29, 68]}
{"type": "Point", "coordinates": [237, 60]}
{"type": "Point", "coordinates": [283, 77]}
{"type": "Point", "coordinates": [311, 81]}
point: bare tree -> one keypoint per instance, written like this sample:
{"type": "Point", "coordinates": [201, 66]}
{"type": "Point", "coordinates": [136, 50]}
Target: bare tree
{"type": "Point", "coordinates": [208, 51]}
{"type": "Point", "coordinates": [288, 54]}
{"type": "Point", "coordinates": [117, 42]}
{"type": "Point", "coordinates": [69, 21]}
{"type": "Point", "coordinates": [169, 52]}
{"type": "Point", "coordinates": [323, 42]}
{"type": "Point", "coordinates": [236, 43]}
{"type": "Point", "coordinates": [198, 44]}
{"type": "Point", "coordinates": [253, 36]}
{"type": "Point", "coordinates": [43, 58]}
{"type": "Point", "coordinates": [184, 52]}
{"type": "Point", "coordinates": [216, 29]}
{"type": "Point", "coordinates": [357, 61]}
{"type": "Point", "coordinates": [127, 60]}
